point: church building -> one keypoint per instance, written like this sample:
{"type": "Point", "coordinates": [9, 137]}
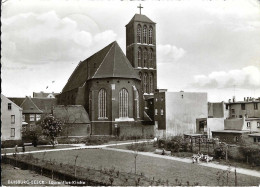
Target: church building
{"type": "Point", "coordinates": [113, 87]}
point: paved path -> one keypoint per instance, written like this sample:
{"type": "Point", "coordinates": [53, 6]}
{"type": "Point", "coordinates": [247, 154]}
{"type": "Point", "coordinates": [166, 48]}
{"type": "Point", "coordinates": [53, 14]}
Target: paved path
{"type": "Point", "coordinates": [79, 146]}
{"type": "Point", "coordinates": [187, 160]}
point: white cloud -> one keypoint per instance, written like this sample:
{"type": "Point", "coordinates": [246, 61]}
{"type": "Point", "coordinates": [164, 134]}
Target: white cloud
{"type": "Point", "coordinates": [169, 53]}
{"type": "Point", "coordinates": [42, 38]}
{"type": "Point", "coordinates": [248, 77]}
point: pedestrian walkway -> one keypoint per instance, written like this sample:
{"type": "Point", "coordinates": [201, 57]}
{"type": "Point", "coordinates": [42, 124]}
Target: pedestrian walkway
{"type": "Point", "coordinates": [187, 160]}
{"type": "Point", "coordinates": [81, 146]}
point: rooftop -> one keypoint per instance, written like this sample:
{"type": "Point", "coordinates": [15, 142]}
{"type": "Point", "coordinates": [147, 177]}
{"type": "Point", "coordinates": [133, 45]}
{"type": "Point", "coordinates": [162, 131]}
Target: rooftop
{"type": "Point", "coordinates": [71, 114]}
{"type": "Point", "coordinates": [109, 62]}
{"type": "Point", "coordinates": [140, 18]}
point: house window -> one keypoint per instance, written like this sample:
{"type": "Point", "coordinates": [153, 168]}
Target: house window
{"type": "Point", "coordinates": [12, 132]}
{"type": "Point", "coordinates": [161, 111]}
{"type": "Point", "coordinates": [139, 34]}
{"type": "Point", "coordinates": [102, 98]}
{"type": "Point", "coordinates": [12, 119]}
{"type": "Point", "coordinates": [254, 139]}
{"type": "Point", "coordinates": [9, 106]}
{"type": "Point", "coordinates": [155, 112]}
{"type": "Point", "coordinates": [38, 117]}
{"type": "Point", "coordinates": [248, 124]}
{"type": "Point", "coordinates": [23, 117]}
{"type": "Point", "coordinates": [258, 124]}
{"type": "Point", "coordinates": [236, 139]}
{"type": "Point", "coordinates": [123, 103]}
{"type": "Point", "coordinates": [240, 116]}
{"type": "Point", "coordinates": [243, 106]}
{"type": "Point", "coordinates": [233, 113]}
{"type": "Point", "coordinates": [32, 117]}
{"type": "Point", "coordinates": [226, 107]}
{"type": "Point", "coordinates": [139, 57]}
{"type": "Point", "coordinates": [150, 35]}
{"type": "Point", "coordinates": [256, 106]}
{"type": "Point", "coordinates": [145, 35]}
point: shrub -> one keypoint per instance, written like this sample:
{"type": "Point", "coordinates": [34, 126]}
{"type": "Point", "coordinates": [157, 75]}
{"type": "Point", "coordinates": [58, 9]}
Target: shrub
{"type": "Point", "coordinates": [142, 147]}
{"type": "Point", "coordinates": [251, 153]}
{"type": "Point", "coordinates": [11, 143]}
{"type": "Point", "coordinates": [219, 152]}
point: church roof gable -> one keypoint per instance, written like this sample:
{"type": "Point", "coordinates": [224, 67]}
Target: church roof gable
{"type": "Point", "coordinates": [140, 18]}
{"type": "Point", "coordinates": [115, 64]}
{"type": "Point", "coordinates": [81, 73]}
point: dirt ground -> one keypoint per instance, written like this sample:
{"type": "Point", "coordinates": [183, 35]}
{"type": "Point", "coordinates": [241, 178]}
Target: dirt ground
{"type": "Point", "coordinates": [11, 176]}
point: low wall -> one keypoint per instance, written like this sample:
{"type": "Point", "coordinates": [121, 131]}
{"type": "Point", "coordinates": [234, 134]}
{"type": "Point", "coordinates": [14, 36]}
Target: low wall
{"type": "Point", "coordinates": [76, 130]}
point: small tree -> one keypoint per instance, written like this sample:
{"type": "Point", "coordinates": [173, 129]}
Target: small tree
{"type": "Point", "coordinates": [51, 127]}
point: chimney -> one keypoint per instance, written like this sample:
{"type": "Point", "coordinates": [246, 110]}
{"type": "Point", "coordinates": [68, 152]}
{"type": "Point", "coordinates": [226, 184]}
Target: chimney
{"type": "Point", "coordinates": [229, 100]}
{"type": "Point", "coordinates": [234, 99]}
{"type": "Point", "coordinates": [244, 98]}
{"type": "Point", "coordinates": [247, 99]}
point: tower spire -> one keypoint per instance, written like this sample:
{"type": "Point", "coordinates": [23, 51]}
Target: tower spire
{"type": "Point", "coordinates": [140, 7]}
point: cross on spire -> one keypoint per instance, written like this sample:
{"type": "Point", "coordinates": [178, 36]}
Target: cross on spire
{"type": "Point", "coordinates": [140, 7]}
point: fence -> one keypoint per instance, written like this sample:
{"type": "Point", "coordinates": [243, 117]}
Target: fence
{"type": "Point", "coordinates": [79, 176]}
{"type": "Point", "coordinates": [53, 173]}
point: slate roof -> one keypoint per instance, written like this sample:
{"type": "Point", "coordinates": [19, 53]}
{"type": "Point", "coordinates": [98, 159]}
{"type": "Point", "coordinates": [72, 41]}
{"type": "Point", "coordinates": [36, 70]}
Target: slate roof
{"type": "Point", "coordinates": [141, 18]}
{"type": "Point", "coordinates": [107, 63]}
{"type": "Point", "coordinates": [17, 100]}
{"type": "Point", "coordinates": [35, 105]}
{"type": "Point", "coordinates": [30, 107]}
{"type": "Point", "coordinates": [45, 104]}
{"type": "Point", "coordinates": [71, 114]}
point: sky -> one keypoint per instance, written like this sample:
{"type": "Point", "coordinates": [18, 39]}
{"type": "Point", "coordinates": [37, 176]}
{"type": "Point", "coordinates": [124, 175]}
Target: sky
{"type": "Point", "coordinates": [202, 45]}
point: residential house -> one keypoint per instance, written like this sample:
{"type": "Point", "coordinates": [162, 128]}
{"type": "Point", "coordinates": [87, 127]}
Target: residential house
{"type": "Point", "coordinates": [239, 130]}
{"type": "Point", "coordinates": [34, 109]}
{"type": "Point", "coordinates": [11, 120]}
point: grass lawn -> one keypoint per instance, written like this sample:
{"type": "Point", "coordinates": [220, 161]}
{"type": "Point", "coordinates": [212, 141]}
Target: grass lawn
{"type": "Point", "coordinates": [151, 167]}
{"type": "Point", "coordinates": [32, 148]}
{"type": "Point", "coordinates": [14, 174]}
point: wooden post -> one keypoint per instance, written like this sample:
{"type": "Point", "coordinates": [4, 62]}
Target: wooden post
{"type": "Point", "coordinates": [199, 144]}
{"type": "Point", "coordinates": [226, 153]}
{"type": "Point", "coordinates": [235, 176]}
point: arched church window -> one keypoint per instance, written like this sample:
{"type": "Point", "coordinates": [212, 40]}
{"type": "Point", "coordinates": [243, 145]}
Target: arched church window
{"type": "Point", "coordinates": [145, 34]}
{"type": "Point", "coordinates": [145, 58]}
{"type": "Point", "coordinates": [90, 103]}
{"type": "Point", "coordinates": [150, 35]}
{"type": "Point", "coordinates": [123, 103]}
{"type": "Point", "coordinates": [151, 83]}
{"type": "Point", "coordinates": [139, 57]}
{"type": "Point", "coordinates": [137, 104]}
{"type": "Point", "coordinates": [102, 98]}
{"type": "Point", "coordinates": [151, 59]}
{"type": "Point", "coordinates": [139, 34]}
{"type": "Point", "coordinates": [145, 85]}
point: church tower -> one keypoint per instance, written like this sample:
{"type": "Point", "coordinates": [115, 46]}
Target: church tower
{"type": "Point", "coordinates": [141, 50]}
